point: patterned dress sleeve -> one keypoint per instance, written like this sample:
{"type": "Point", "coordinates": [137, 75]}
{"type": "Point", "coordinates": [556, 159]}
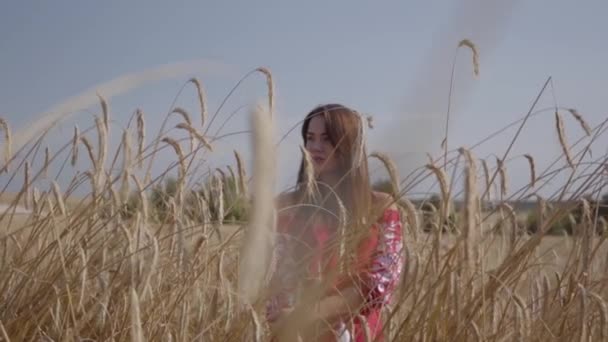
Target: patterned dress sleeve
{"type": "Point", "coordinates": [383, 272]}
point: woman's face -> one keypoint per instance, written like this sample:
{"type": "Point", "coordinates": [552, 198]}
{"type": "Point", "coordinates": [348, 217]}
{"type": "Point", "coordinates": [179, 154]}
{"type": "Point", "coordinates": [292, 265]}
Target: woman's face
{"type": "Point", "coordinates": [320, 147]}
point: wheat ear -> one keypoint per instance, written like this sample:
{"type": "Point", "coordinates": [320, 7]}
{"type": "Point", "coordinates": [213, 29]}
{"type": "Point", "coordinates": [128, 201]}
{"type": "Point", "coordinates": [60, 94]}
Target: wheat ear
{"type": "Point", "coordinates": [391, 168]}
{"type": "Point", "coordinates": [242, 173]}
{"type": "Point", "coordinates": [471, 45]}
{"type": "Point", "coordinates": [194, 133]}
{"type": "Point", "coordinates": [75, 146]}
{"type": "Point", "coordinates": [443, 185]}
{"type": "Point", "coordinates": [312, 190]}
{"type": "Point", "coordinates": [532, 169]}
{"type": "Point", "coordinates": [580, 120]}
{"type": "Point", "coordinates": [270, 85]}
{"type": "Point", "coordinates": [89, 148]}
{"type": "Point", "coordinates": [202, 99]}
{"type": "Point", "coordinates": [7, 144]}
{"type": "Point", "coordinates": [59, 198]}
{"type": "Point", "coordinates": [559, 125]}
{"type": "Point", "coordinates": [47, 158]}
{"type": "Point", "coordinates": [141, 136]}
{"type": "Point", "coordinates": [502, 172]}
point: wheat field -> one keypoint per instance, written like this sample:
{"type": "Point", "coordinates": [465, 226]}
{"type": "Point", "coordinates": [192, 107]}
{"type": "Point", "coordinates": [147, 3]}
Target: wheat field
{"type": "Point", "coordinates": [185, 257]}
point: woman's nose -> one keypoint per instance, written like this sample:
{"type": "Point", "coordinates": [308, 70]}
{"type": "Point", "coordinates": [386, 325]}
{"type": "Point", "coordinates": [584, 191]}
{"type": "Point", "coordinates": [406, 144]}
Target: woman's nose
{"type": "Point", "coordinates": [314, 145]}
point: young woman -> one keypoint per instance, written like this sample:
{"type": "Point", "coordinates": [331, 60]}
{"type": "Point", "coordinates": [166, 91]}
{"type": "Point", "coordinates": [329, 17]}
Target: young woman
{"type": "Point", "coordinates": [335, 231]}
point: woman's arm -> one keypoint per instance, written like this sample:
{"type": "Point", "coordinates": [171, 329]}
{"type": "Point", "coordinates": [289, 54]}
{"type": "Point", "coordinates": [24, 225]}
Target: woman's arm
{"type": "Point", "coordinates": [349, 301]}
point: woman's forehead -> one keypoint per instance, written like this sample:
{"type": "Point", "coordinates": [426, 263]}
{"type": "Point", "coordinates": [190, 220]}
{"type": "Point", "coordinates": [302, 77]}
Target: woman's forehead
{"type": "Point", "coordinates": [317, 124]}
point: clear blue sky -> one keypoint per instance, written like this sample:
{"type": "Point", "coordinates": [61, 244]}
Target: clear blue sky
{"type": "Point", "coordinates": [391, 59]}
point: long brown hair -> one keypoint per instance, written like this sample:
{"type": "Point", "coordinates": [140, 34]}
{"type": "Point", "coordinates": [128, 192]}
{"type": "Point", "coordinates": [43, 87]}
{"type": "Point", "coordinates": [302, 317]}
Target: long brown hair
{"type": "Point", "coordinates": [344, 127]}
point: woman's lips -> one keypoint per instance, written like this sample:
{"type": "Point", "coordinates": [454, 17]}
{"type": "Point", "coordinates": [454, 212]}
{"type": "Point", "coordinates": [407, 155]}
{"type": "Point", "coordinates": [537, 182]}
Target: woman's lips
{"type": "Point", "coordinates": [318, 160]}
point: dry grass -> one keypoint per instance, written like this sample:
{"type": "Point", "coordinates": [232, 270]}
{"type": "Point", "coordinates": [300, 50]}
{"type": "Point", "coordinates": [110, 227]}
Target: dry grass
{"type": "Point", "coordinates": [112, 267]}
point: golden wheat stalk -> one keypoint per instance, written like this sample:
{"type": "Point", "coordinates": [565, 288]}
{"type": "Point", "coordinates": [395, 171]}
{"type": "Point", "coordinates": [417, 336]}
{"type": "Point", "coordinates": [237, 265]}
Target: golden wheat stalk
{"type": "Point", "coordinates": [391, 168]}
{"type": "Point", "coordinates": [59, 198]}
{"type": "Point", "coordinates": [136, 328]}
{"type": "Point", "coordinates": [83, 277]}
{"type": "Point", "coordinates": [75, 139]}
{"type": "Point", "coordinates": [36, 201]}
{"type": "Point", "coordinates": [513, 219]}
{"type": "Point", "coordinates": [26, 185]}
{"type": "Point", "coordinates": [124, 187]}
{"type": "Point", "coordinates": [104, 112]}
{"type": "Point", "coordinates": [7, 144]}
{"type": "Point", "coordinates": [259, 236]}
{"type": "Point", "coordinates": [4, 333]}
{"type": "Point", "coordinates": [502, 172]}
{"type": "Point", "coordinates": [240, 166]}
{"type": "Point", "coordinates": [471, 205]}
{"type": "Point", "coordinates": [142, 197]}
{"type": "Point", "coordinates": [532, 170]}
{"type": "Point", "coordinates": [195, 134]}
{"type": "Point", "coordinates": [141, 136]}
{"type": "Point", "coordinates": [311, 186]}
{"type": "Point", "coordinates": [178, 150]}
{"type": "Point", "coordinates": [580, 120]}
{"type": "Point", "coordinates": [486, 176]}
{"type": "Point", "coordinates": [603, 310]}
{"type": "Point", "coordinates": [442, 178]}
{"type": "Point", "coordinates": [127, 151]}
{"type": "Point", "coordinates": [47, 158]}
{"type": "Point", "coordinates": [471, 45]}
{"type": "Point", "coordinates": [102, 144]}
{"type": "Point", "coordinates": [183, 113]}
{"type": "Point", "coordinates": [234, 179]}
{"type": "Point", "coordinates": [270, 85]}
{"type": "Point", "coordinates": [559, 125]}
{"type": "Point", "coordinates": [255, 324]}
{"type": "Point", "coordinates": [582, 322]}
{"type": "Point", "coordinates": [411, 216]}
{"type": "Point", "coordinates": [89, 148]}
{"type": "Point", "coordinates": [524, 319]}
{"type": "Point", "coordinates": [202, 99]}
{"type": "Point", "coordinates": [217, 187]}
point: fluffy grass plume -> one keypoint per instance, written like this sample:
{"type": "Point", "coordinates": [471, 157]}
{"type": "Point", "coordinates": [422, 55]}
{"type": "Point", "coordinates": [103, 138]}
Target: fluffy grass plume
{"type": "Point", "coordinates": [257, 241]}
{"type": "Point", "coordinates": [471, 206]}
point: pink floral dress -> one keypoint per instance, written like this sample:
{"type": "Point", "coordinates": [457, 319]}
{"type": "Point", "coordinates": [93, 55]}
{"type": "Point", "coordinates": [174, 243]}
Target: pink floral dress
{"type": "Point", "coordinates": [378, 270]}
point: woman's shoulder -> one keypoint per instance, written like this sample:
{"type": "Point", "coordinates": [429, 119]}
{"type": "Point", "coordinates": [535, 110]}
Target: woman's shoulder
{"type": "Point", "coordinates": [284, 200]}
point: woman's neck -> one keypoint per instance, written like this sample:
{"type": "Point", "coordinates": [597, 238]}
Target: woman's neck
{"type": "Point", "coordinates": [330, 179]}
